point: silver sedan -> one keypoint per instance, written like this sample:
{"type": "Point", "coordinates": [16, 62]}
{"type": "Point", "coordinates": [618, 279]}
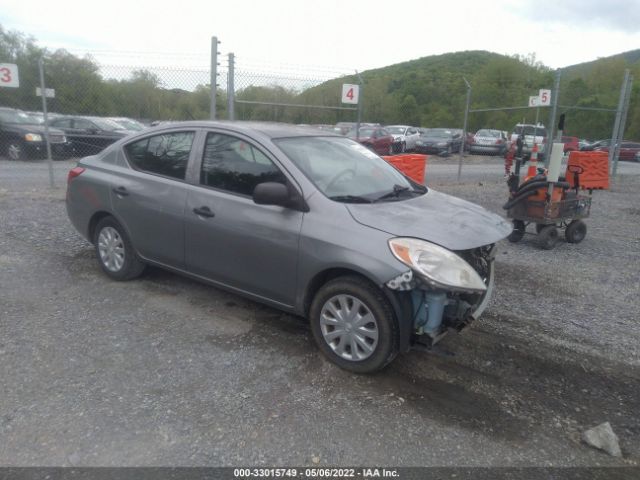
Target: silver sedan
{"type": "Point", "coordinates": [303, 220]}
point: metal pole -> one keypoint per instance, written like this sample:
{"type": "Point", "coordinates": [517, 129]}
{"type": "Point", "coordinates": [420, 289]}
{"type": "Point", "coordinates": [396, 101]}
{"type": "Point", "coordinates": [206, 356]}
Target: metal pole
{"type": "Point", "coordinates": [214, 76]}
{"type": "Point", "coordinates": [464, 127]}
{"type": "Point", "coordinates": [46, 121]}
{"type": "Point", "coordinates": [537, 115]}
{"type": "Point", "coordinates": [616, 123]}
{"type": "Point", "coordinates": [623, 122]}
{"type": "Point", "coordinates": [359, 119]}
{"type": "Point", "coordinates": [231, 93]}
{"type": "Point", "coordinates": [555, 94]}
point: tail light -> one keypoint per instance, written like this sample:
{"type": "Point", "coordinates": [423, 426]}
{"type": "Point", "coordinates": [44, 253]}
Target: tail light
{"type": "Point", "coordinates": [73, 173]}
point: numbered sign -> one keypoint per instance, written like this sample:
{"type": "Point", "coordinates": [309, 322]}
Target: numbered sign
{"type": "Point", "coordinates": [533, 101]}
{"type": "Point", "coordinates": [9, 75]}
{"type": "Point", "coordinates": [350, 93]}
{"type": "Point", "coordinates": [545, 98]}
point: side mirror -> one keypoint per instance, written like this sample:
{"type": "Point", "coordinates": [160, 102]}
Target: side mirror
{"type": "Point", "coordinates": [273, 193]}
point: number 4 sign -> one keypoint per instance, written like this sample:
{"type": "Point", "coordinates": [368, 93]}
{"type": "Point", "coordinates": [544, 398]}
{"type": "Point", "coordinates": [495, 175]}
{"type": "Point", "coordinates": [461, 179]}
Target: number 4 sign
{"type": "Point", "coordinates": [350, 93]}
{"type": "Point", "coordinates": [9, 75]}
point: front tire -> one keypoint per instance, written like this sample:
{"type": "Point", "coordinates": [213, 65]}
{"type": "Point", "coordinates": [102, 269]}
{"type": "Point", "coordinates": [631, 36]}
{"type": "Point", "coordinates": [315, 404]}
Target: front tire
{"type": "Point", "coordinates": [354, 325]}
{"type": "Point", "coordinates": [16, 151]}
{"type": "Point", "coordinates": [114, 250]}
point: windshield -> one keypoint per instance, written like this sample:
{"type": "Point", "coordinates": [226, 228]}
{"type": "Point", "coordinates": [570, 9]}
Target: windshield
{"type": "Point", "coordinates": [129, 124]}
{"type": "Point", "coordinates": [16, 116]}
{"type": "Point", "coordinates": [365, 132]}
{"type": "Point", "coordinates": [106, 124]}
{"type": "Point", "coordinates": [436, 132]}
{"type": "Point", "coordinates": [342, 169]}
{"type": "Point", "coordinates": [488, 133]}
{"type": "Point", "coordinates": [396, 130]}
{"type": "Point", "coordinates": [530, 130]}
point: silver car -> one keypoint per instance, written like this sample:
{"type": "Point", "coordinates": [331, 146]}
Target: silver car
{"type": "Point", "coordinates": [306, 221]}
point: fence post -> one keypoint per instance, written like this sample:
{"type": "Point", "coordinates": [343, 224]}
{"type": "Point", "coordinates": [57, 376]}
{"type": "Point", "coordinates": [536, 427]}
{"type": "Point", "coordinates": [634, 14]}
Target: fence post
{"type": "Point", "coordinates": [231, 92]}
{"type": "Point", "coordinates": [214, 76]}
{"type": "Point", "coordinates": [43, 93]}
{"type": "Point", "coordinates": [621, 127]}
{"type": "Point", "coordinates": [464, 128]}
{"type": "Point", "coordinates": [359, 118]}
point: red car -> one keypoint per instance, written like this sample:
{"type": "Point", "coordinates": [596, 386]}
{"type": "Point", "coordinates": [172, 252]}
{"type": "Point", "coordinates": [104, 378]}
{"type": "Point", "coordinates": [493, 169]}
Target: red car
{"type": "Point", "coordinates": [571, 144]}
{"type": "Point", "coordinates": [374, 138]}
{"type": "Point", "coordinates": [628, 150]}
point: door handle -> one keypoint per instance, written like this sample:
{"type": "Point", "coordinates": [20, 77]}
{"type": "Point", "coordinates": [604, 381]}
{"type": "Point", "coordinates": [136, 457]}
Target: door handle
{"type": "Point", "coordinates": [121, 191]}
{"type": "Point", "coordinates": [204, 212]}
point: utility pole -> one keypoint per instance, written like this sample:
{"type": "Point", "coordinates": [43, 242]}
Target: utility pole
{"type": "Point", "coordinates": [43, 92]}
{"type": "Point", "coordinates": [615, 146]}
{"type": "Point", "coordinates": [214, 76]}
{"type": "Point", "coordinates": [359, 119]}
{"type": "Point", "coordinates": [231, 93]}
{"type": "Point", "coordinates": [464, 127]}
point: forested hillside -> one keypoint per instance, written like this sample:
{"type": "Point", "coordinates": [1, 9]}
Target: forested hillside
{"type": "Point", "coordinates": [429, 91]}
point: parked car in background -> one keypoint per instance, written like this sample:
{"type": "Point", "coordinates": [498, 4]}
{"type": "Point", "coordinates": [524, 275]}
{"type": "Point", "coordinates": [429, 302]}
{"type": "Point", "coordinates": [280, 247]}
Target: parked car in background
{"type": "Point", "coordinates": [489, 141]}
{"type": "Point", "coordinates": [377, 139]}
{"type": "Point", "coordinates": [404, 137]}
{"type": "Point", "coordinates": [442, 141]}
{"type": "Point", "coordinates": [129, 123]}
{"type": "Point", "coordinates": [530, 134]}
{"type": "Point", "coordinates": [627, 151]}
{"type": "Point", "coordinates": [584, 144]}
{"type": "Point", "coordinates": [571, 144]}
{"type": "Point", "coordinates": [89, 135]}
{"type": "Point", "coordinates": [305, 221]}
{"type": "Point", "coordinates": [22, 138]}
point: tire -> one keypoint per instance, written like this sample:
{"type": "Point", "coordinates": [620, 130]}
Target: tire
{"type": "Point", "coordinates": [518, 231]}
{"type": "Point", "coordinates": [548, 237]}
{"type": "Point", "coordinates": [16, 151]}
{"type": "Point", "coordinates": [341, 295]}
{"type": "Point", "coordinates": [576, 231]}
{"type": "Point", "coordinates": [115, 252]}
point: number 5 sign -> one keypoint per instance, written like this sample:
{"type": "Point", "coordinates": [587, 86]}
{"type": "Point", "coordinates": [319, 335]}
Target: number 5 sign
{"type": "Point", "coordinates": [9, 75]}
{"type": "Point", "coordinates": [544, 98]}
{"type": "Point", "coordinates": [350, 93]}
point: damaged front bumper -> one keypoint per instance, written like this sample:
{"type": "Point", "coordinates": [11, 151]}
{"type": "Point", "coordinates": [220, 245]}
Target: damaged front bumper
{"type": "Point", "coordinates": [436, 311]}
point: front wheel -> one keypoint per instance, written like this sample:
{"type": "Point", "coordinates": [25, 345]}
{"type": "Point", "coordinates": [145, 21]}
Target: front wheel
{"type": "Point", "coordinates": [16, 151]}
{"type": "Point", "coordinates": [576, 231]}
{"type": "Point", "coordinates": [518, 231]}
{"type": "Point", "coordinates": [354, 325]}
{"type": "Point", "coordinates": [115, 252]}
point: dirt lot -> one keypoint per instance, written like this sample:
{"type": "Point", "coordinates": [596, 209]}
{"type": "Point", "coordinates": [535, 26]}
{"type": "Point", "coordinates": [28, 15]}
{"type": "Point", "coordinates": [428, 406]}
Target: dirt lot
{"type": "Point", "coordinates": [166, 371]}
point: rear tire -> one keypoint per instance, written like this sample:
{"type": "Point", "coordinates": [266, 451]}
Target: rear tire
{"type": "Point", "coordinates": [115, 252]}
{"type": "Point", "coordinates": [335, 313]}
{"type": "Point", "coordinates": [548, 237]}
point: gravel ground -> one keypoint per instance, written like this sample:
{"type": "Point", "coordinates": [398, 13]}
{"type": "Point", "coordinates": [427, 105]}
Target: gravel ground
{"type": "Point", "coordinates": [167, 371]}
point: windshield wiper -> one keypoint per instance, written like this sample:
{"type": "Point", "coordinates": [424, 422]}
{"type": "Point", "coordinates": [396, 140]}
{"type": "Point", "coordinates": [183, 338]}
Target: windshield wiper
{"type": "Point", "coordinates": [397, 190]}
{"type": "Point", "coordinates": [351, 199]}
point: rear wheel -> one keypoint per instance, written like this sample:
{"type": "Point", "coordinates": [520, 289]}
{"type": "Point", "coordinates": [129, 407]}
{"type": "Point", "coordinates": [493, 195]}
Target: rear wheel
{"type": "Point", "coordinates": [354, 325]}
{"type": "Point", "coordinates": [115, 252]}
{"type": "Point", "coordinates": [576, 231]}
{"type": "Point", "coordinates": [548, 237]}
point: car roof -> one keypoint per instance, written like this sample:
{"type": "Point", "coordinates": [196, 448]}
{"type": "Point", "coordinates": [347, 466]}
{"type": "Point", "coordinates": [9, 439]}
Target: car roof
{"type": "Point", "coordinates": [269, 129]}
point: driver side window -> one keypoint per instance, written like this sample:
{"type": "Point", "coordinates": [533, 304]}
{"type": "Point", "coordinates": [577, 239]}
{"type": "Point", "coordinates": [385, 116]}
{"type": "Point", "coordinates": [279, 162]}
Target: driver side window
{"type": "Point", "coordinates": [231, 164]}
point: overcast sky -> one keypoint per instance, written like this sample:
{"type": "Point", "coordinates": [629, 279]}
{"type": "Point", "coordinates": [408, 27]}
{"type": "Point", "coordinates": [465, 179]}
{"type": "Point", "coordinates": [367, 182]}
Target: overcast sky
{"type": "Point", "coordinates": [340, 35]}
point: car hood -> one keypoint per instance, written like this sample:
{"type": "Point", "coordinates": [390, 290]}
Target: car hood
{"type": "Point", "coordinates": [448, 221]}
{"type": "Point", "coordinates": [435, 139]}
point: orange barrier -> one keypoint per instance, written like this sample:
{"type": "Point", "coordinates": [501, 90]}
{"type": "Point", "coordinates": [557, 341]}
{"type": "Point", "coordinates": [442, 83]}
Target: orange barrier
{"type": "Point", "coordinates": [413, 165]}
{"type": "Point", "coordinates": [595, 165]}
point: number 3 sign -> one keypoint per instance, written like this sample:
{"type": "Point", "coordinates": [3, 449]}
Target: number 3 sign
{"type": "Point", "coordinates": [350, 93]}
{"type": "Point", "coordinates": [9, 75]}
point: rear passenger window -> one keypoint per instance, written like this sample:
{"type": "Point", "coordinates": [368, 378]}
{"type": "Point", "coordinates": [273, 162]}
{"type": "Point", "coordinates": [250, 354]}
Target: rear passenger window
{"type": "Point", "coordinates": [166, 154]}
{"type": "Point", "coordinates": [233, 165]}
